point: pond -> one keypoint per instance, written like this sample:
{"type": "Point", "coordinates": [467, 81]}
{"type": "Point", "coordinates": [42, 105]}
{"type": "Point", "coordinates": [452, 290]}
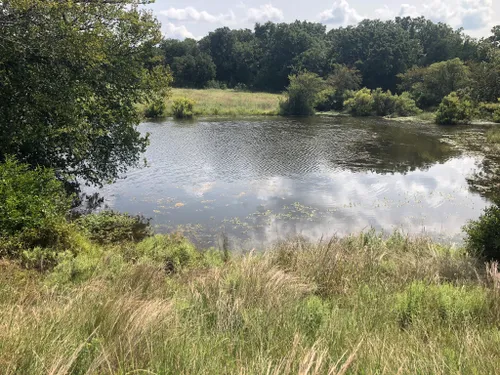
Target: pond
{"type": "Point", "coordinates": [262, 179]}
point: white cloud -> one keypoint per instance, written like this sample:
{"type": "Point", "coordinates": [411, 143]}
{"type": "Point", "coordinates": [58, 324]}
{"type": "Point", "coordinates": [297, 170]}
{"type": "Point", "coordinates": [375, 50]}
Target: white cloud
{"type": "Point", "coordinates": [384, 13]}
{"type": "Point", "coordinates": [177, 32]}
{"type": "Point", "coordinates": [341, 13]}
{"type": "Point", "coordinates": [469, 14]}
{"type": "Point", "coordinates": [191, 14]}
{"type": "Point", "coordinates": [408, 10]}
{"type": "Point", "coordinates": [264, 13]}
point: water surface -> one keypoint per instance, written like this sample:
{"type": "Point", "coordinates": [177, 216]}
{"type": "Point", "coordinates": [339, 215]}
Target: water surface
{"type": "Point", "coordinates": [261, 179]}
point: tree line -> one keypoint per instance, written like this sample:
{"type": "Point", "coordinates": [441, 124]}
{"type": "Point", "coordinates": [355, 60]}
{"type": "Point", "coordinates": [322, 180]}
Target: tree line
{"type": "Point", "coordinates": [264, 58]}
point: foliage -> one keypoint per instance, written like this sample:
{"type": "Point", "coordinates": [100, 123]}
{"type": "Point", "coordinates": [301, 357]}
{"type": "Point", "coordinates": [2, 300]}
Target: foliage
{"type": "Point", "coordinates": [174, 252]}
{"type": "Point", "coordinates": [215, 85]}
{"type": "Point", "coordinates": [366, 102]}
{"type": "Point", "coordinates": [440, 303]}
{"type": "Point", "coordinates": [483, 234]}
{"type": "Point", "coordinates": [108, 227]}
{"type": "Point", "coordinates": [486, 77]}
{"type": "Point", "coordinates": [490, 111]}
{"type": "Point", "coordinates": [72, 73]}
{"type": "Point", "coordinates": [190, 67]}
{"type": "Point", "coordinates": [454, 110]}
{"type": "Point", "coordinates": [155, 108]}
{"type": "Point", "coordinates": [439, 41]}
{"type": "Point", "coordinates": [340, 81]}
{"type": "Point", "coordinates": [300, 307]}
{"type": "Point", "coordinates": [379, 50]}
{"type": "Point", "coordinates": [383, 102]}
{"type": "Point", "coordinates": [361, 103]}
{"type": "Point", "coordinates": [182, 108]}
{"type": "Point", "coordinates": [429, 85]}
{"type": "Point", "coordinates": [301, 94]}
{"type": "Point", "coordinates": [405, 106]}
{"type": "Point", "coordinates": [33, 208]}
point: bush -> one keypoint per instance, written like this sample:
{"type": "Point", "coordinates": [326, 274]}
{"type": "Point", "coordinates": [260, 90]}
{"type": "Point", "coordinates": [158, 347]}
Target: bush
{"type": "Point", "coordinates": [218, 85]}
{"type": "Point", "coordinates": [113, 227]}
{"type": "Point", "coordinates": [156, 108]}
{"type": "Point", "coordinates": [483, 234]}
{"type": "Point", "coordinates": [361, 103]}
{"type": "Point", "coordinates": [182, 108]}
{"type": "Point", "coordinates": [383, 102]}
{"type": "Point", "coordinates": [329, 99]}
{"type": "Point", "coordinates": [33, 208]}
{"type": "Point", "coordinates": [405, 106]}
{"type": "Point", "coordinates": [301, 94]}
{"type": "Point", "coordinates": [454, 110]}
{"type": "Point", "coordinates": [440, 304]}
{"type": "Point", "coordinates": [173, 251]}
{"type": "Point", "coordinates": [490, 111]}
{"type": "Point", "coordinates": [366, 102]}
{"type": "Point", "coordinates": [241, 87]}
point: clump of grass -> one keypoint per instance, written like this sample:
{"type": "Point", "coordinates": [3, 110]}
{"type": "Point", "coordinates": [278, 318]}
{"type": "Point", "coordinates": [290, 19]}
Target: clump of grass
{"type": "Point", "coordinates": [493, 136]}
{"type": "Point", "coordinates": [361, 304]}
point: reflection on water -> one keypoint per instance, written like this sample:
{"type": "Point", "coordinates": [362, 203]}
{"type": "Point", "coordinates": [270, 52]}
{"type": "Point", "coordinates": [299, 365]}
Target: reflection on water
{"type": "Point", "coordinates": [261, 179]}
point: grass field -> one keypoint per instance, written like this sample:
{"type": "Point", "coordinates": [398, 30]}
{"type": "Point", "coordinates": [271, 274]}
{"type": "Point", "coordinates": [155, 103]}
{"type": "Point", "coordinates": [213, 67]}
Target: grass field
{"type": "Point", "coordinates": [211, 102]}
{"type": "Point", "coordinates": [359, 305]}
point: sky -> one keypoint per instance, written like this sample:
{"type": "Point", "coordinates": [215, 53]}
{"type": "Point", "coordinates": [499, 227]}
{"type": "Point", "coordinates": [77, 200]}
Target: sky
{"type": "Point", "coordinates": [195, 18]}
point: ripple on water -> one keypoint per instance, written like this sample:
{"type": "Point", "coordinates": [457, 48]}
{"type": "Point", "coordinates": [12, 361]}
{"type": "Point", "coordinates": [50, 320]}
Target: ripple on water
{"type": "Point", "coordinates": [276, 177]}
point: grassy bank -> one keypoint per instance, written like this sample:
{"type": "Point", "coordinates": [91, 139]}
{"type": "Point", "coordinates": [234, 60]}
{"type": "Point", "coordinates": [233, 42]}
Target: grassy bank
{"type": "Point", "coordinates": [359, 305]}
{"type": "Point", "coordinates": [212, 102]}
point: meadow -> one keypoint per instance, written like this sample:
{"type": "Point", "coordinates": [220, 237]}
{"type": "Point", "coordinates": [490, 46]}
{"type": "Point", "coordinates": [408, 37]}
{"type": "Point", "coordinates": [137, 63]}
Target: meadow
{"type": "Point", "coordinates": [364, 304]}
{"type": "Point", "coordinates": [214, 102]}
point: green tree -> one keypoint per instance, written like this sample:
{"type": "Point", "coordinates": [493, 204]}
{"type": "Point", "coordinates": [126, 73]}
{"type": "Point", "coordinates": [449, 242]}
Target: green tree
{"type": "Point", "coordinates": [190, 67]}
{"type": "Point", "coordinates": [234, 54]}
{"type": "Point", "coordinates": [485, 75]}
{"type": "Point", "coordinates": [431, 84]}
{"type": "Point", "coordinates": [72, 73]}
{"type": "Point", "coordinates": [439, 41]}
{"type": "Point", "coordinates": [286, 49]}
{"type": "Point", "coordinates": [380, 50]}
{"type": "Point", "coordinates": [301, 94]}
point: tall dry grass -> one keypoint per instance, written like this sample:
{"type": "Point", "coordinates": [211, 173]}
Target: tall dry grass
{"type": "Point", "coordinates": [358, 305]}
{"type": "Point", "coordinates": [213, 102]}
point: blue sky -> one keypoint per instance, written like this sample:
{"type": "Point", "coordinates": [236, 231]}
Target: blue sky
{"type": "Point", "coordinates": [195, 18]}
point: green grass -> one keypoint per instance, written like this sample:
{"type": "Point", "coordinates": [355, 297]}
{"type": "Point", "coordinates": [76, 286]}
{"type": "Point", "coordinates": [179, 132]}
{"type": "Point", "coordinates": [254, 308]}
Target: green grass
{"type": "Point", "coordinates": [493, 136]}
{"type": "Point", "coordinates": [358, 305]}
{"type": "Point", "coordinates": [211, 102]}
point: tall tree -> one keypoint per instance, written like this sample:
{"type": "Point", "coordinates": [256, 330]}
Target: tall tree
{"type": "Point", "coordinates": [287, 49]}
{"type": "Point", "coordinates": [71, 73]}
{"type": "Point", "coordinates": [439, 41]}
{"type": "Point", "coordinates": [380, 50]}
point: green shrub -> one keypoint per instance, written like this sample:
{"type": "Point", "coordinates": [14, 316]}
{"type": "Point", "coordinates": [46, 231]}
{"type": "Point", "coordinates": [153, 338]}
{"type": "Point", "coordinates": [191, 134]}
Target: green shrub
{"type": "Point", "coordinates": [156, 108]}
{"type": "Point", "coordinates": [383, 102]}
{"type": "Point", "coordinates": [109, 227]}
{"type": "Point", "coordinates": [174, 252]}
{"type": "Point", "coordinates": [301, 94]}
{"type": "Point", "coordinates": [326, 100]}
{"type": "Point", "coordinates": [218, 85]}
{"type": "Point", "coordinates": [241, 87]}
{"type": "Point", "coordinates": [483, 234]}
{"type": "Point", "coordinates": [405, 106]}
{"type": "Point", "coordinates": [361, 103]}
{"type": "Point", "coordinates": [490, 111]}
{"type": "Point", "coordinates": [454, 110]}
{"type": "Point", "coordinates": [183, 108]}
{"type": "Point", "coordinates": [443, 303]}
{"type": "Point", "coordinates": [33, 208]}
